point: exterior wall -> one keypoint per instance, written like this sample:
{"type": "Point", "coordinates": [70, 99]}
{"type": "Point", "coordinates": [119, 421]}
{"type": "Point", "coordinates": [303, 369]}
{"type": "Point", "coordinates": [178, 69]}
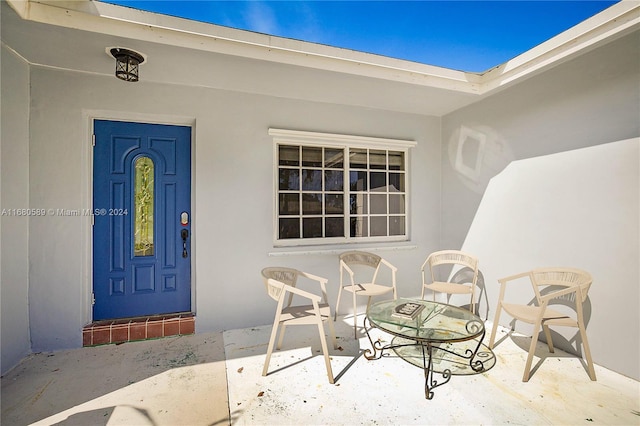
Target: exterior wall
{"type": "Point", "coordinates": [590, 101]}
{"type": "Point", "coordinates": [232, 188]}
{"type": "Point", "coordinates": [14, 194]}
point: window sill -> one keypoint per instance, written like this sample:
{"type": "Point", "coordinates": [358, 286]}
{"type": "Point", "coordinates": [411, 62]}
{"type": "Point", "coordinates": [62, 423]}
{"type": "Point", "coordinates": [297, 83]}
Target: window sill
{"type": "Point", "coordinates": [336, 251]}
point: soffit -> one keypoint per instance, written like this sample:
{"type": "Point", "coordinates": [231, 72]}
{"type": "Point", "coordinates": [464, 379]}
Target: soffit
{"type": "Point", "coordinates": [74, 35]}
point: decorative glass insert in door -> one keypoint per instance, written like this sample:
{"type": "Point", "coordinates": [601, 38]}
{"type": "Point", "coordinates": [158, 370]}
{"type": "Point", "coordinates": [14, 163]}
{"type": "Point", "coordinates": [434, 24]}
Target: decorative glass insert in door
{"type": "Point", "coordinates": [143, 206]}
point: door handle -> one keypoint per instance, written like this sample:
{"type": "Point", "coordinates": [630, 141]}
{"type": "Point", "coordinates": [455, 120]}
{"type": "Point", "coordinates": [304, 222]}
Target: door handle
{"type": "Point", "coordinates": [184, 234]}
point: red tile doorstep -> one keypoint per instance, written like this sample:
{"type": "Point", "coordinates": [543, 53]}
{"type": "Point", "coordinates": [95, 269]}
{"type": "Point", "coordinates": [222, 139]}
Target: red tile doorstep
{"type": "Point", "coordinates": [126, 330]}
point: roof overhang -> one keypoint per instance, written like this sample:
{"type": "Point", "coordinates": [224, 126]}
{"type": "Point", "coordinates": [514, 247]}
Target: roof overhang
{"type": "Point", "coordinates": [149, 30]}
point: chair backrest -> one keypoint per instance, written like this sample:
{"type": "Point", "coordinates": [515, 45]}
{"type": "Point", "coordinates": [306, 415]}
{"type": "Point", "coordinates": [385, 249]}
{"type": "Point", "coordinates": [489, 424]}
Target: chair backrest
{"type": "Point", "coordinates": [360, 258]}
{"type": "Point", "coordinates": [357, 259]}
{"type": "Point", "coordinates": [451, 257]}
{"type": "Point", "coordinates": [275, 278]}
{"type": "Point", "coordinates": [563, 277]}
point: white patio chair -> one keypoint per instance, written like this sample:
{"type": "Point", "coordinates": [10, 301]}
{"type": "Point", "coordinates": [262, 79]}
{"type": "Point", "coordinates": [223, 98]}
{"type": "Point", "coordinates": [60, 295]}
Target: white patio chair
{"type": "Point", "coordinates": [436, 262]}
{"type": "Point", "coordinates": [364, 285]}
{"type": "Point", "coordinates": [281, 287]}
{"type": "Point", "coordinates": [568, 284]}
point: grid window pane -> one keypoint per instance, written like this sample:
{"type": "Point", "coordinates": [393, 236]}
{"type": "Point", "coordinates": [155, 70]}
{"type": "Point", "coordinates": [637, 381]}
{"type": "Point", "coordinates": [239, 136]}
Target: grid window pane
{"type": "Point", "coordinates": [289, 179]}
{"type": "Point", "coordinates": [396, 225]}
{"type": "Point", "coordinates": [358, 204]}
{"type": "Point", "coordinates": [289, 155]}
{"type": "Point", "coordinates": [378, 159]}
{"type": "Point", "coordinates": [334, 204]}
{"type": "Point", "coordinates": [311, 156]}
{"type": "Point", "coordinates": [358, 158]}
{"type": "Point", "coordinates": [396, 203]}
{"type": "Point", "coordinates": [378, 181]}
{"type": "Point", "coordinates": [311, 204]}
{"type": "Point", "coordinates": [379, 226]}
{"type": "Point", "coordinates": [289, 204]}
{"type": "Point", "coordinates": [311, 180]}
{"type": "Point", "coordinates": [396, 160]}
{"type": "Point", "coordinates": [334, 227]}
{"type": "Point", "coordinates": [396, 182]}
{"type": "Point", "coordinates": [358, 181]}
{"type": "Point", "coordinates": [359, 226]}
{"type": "Point", "coordinates": [378, 203]}
{"type": "Point", "coordinates": [333, 180]}
{"type": "Point", "coordinates": [288, 228]}
{"type": "Point", "coordinates": [312, 227]}
{"type": "Point", "coordinates": [333, 158]}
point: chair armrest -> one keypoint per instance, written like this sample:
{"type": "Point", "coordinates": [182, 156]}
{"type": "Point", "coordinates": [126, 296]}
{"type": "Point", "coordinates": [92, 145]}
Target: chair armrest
{"type": "Point", "coordinates": [295, 290]}
{"type": "Point", "coordinates": [322, 281]}
{"type": "Point", "coordinates": [424, 263]}
{"type": "Point", "coordinates": [314, 277]}
{"type": "Point", "coordinates": [559, 293]}
{"type": "Point", "coordinates": [514, 277]}
{"type": "Point", "coordinates": [503, 283]}
{"type": "Point", "coordinates": [389, 265]}
{"type": "Point", "coordinates": [346, 267]}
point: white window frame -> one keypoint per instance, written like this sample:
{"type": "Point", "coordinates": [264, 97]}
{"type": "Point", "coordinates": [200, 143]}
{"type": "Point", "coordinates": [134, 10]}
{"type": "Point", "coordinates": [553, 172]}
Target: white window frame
{"type": "Point", "coordinates": [340, 141]}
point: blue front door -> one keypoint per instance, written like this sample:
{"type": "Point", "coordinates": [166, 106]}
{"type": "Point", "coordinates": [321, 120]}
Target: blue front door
{"type": "Point", "coordinates": [142, 219]}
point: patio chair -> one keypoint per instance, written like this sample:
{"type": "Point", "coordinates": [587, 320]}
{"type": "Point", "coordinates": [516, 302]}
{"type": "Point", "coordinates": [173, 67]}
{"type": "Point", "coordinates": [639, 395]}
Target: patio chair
{"type": "Point", "coordinates": [463, 262]}
{"type": "Point", "coordinates": [365, 283]}
{"type": "Point", "coordinates": [565, 286]}
{"type": "Point", "coordinates": [281, 287]}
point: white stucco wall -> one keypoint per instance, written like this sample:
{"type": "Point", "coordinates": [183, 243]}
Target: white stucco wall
{"type": "Point", "coordinates": [232, 193]}
{"type": "Point", "coordinates": [14, 194]}
{"type": "Point", "coordinates": [580, 209]}
{"type": "Point", "coordinates": [590, 101]}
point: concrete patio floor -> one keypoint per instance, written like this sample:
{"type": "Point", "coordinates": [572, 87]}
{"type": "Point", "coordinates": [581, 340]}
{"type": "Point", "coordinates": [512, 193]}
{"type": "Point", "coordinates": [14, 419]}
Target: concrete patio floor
{"type": "Point", "coordinates": [215, 379]}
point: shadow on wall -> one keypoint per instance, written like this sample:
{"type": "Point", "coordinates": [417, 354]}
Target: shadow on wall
{"type": "Point", "coordinates": [465, 275]}
{"type": "Point", "coordinates": [576, 209]}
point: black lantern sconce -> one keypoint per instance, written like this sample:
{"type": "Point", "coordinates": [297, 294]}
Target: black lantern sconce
{"type": "Point", "coordinates": [127, 63]}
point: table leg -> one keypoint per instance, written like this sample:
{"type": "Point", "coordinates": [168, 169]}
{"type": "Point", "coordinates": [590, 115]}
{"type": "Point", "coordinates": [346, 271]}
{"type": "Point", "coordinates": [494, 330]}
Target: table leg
{"type": "Point", "coordinates": [429, 382]}
{"type": "Point", "coordinates": [377, 346]}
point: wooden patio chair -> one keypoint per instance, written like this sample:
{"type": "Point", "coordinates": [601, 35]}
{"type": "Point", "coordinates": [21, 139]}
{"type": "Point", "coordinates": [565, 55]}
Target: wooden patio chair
{"type": "Point", "coordinates": [436, 263]}
{"type": "Point", "coordinates": [281, 286]}
{"type": "Point", "coordinates": [361, 283]}
{"type": "Point", "coordinates": [566, 285]}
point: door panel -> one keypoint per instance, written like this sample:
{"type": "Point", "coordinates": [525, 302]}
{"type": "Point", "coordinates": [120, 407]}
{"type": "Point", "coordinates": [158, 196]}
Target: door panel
{"type": "Point", "coordinates": [142, 184]}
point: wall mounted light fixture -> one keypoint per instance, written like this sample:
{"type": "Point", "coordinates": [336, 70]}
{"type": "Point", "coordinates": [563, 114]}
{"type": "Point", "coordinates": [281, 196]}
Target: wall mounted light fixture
{"type": "Point", "coordinates": [127, 63]}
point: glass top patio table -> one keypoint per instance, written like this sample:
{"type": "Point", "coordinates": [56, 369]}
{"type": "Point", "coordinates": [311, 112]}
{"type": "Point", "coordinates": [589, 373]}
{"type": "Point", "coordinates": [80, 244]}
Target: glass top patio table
{"type": "Point", "coordinates": [429, 326]}
{"type": "Point", "coordinates": [435, 323]}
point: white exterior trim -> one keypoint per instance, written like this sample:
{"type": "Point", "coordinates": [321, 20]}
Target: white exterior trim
{"type": "Point", "coordinates": [95, 16]}
{"type": "Point", "coordinates": [333, 139]}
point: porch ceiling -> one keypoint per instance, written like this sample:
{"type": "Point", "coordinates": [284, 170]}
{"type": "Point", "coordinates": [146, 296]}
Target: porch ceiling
{"type": "Point", "coordinates": [75, 35]}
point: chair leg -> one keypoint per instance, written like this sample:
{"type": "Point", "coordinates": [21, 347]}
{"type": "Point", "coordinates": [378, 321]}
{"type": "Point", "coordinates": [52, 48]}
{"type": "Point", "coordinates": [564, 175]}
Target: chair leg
{"type": "Point", "coordinates": [272, 340]}
{"type": "Point", "coordinates": [495, 326]}
{"type": "Point", "coordinates": [547, 334]}
{"type": "Point", "coordinates": [323, 343]}
{"type": "Point", "coordinates": [587, 353]}
{"type": "Point", "coordinates": [332, 332]}
{"type": "Point", "coordinates": [355, 318]}
{"type": "Point", "coordinates": [282, 330]}
{"type": "Point", "coordinates": [335, 313]}
{"type": "Point", "coordinates": [532, 351]}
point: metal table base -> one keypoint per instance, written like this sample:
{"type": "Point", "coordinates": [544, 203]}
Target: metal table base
{"type": "Point", "coordinates": [426, 346]}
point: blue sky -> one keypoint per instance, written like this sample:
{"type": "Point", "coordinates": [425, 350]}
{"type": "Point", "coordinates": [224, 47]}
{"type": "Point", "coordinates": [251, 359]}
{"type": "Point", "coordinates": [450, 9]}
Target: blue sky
{"type": "Point", "coordinates": [462, 35]}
